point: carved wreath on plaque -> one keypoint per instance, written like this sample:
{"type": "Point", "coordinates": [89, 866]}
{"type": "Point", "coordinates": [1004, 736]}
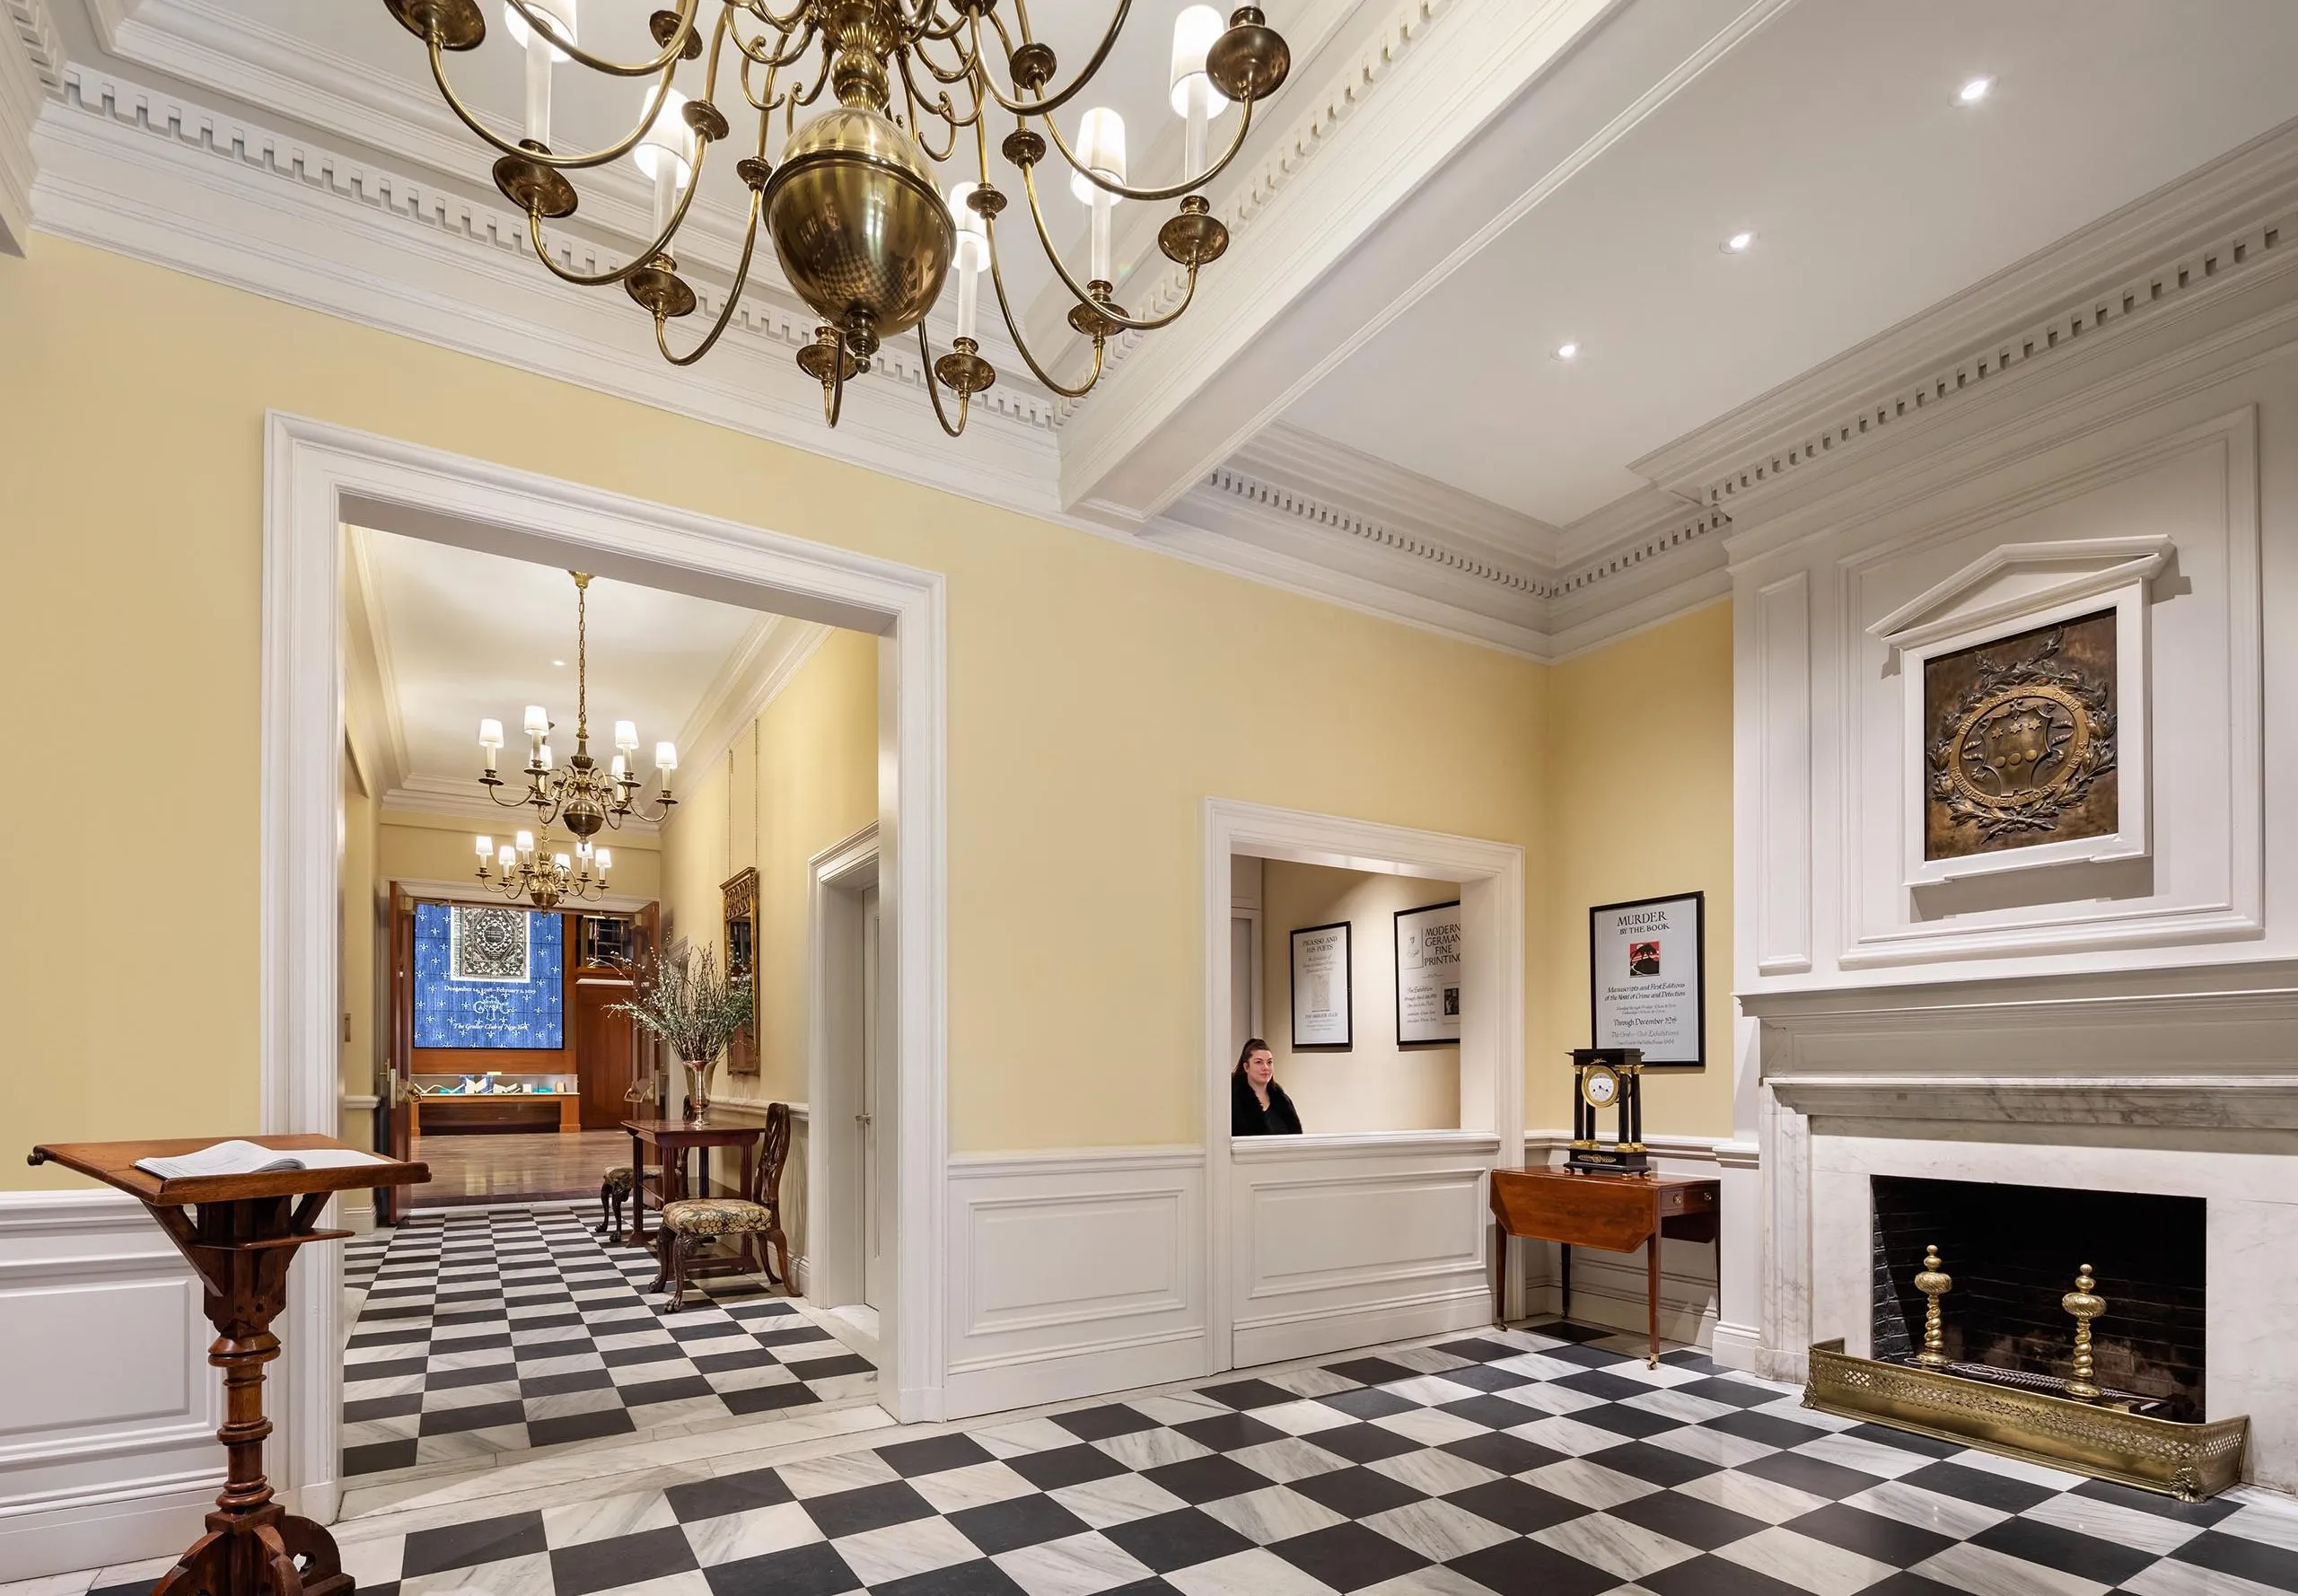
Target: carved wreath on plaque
{"type": "Point", "coordinates": [2022, 743]}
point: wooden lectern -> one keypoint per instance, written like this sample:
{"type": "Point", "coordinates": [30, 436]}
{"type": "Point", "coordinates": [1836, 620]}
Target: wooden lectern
{"type": "Point", "coordinates": [240, 1241]}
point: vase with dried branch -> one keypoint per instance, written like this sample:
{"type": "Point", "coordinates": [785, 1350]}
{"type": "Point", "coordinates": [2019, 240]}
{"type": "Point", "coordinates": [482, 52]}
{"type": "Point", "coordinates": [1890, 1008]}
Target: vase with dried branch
{"type": "Point", "coordinates": [696, 1009]}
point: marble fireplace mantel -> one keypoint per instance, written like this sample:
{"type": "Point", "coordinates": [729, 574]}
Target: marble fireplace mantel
{"type": "Point", "coordinates": [2181, 1081]}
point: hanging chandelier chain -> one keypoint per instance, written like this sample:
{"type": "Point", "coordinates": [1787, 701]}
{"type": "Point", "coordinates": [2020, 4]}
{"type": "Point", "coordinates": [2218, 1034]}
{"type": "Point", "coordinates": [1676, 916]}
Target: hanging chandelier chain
{"type": "Point", "coordinates": [582, 662]}
{"type": "Point", "coordinates": [857, 214]}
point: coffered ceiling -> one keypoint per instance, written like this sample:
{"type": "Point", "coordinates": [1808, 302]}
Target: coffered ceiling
{"type": "Point", "coordinates": [1364, 402]}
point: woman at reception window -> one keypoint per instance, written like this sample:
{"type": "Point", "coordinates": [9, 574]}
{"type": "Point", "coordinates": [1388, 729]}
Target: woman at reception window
{"type": "Point", "coordinates": [1257, 1106]}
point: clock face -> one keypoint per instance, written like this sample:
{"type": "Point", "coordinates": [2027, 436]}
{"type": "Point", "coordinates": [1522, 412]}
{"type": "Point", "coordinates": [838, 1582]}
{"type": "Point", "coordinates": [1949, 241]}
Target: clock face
{"type": "Point", "coordinates": [1599, 1086]}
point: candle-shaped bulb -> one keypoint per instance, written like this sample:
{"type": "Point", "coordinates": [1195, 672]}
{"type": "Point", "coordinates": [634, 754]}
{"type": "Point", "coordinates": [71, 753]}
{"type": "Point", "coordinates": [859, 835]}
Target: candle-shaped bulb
{"type": "Point", "coordinates": [619, 769]}
{"type": "Point", "coordinates": [542, 757]}
{"type": "Point", "coordinates": [1195, 99]}
{"type": "Point", "coordinates": [973, 257]}
{"type": "Point", "coordinates": [666, 153]}
{"type": "Point", "coordinates": [1101, 149]}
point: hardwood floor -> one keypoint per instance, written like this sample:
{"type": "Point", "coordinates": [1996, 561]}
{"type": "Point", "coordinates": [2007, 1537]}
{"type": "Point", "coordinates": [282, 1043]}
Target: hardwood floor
{"type": "Point", "coordinates": [467, 1170]}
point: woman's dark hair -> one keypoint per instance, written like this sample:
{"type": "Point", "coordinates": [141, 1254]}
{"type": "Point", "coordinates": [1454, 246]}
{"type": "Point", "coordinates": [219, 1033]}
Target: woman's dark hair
{"type": "Point", "coordinates": [1255, 1045]}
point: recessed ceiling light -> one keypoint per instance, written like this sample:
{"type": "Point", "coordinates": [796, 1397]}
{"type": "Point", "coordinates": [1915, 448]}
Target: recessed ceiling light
{"type": "Point", "coordinates": [560, 663]}
{"type": "Point", "coordinates": [1739, 243]}
{"type": "Point", "coordinates": [1975, 90]}
{"type": "Point", "coordinates": [1567, 352]}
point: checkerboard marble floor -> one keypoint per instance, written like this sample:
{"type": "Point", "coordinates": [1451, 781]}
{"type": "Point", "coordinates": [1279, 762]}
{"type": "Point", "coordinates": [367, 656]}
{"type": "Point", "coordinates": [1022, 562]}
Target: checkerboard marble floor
{"type": "Point", "coordinates": [487, 1333]}
{"type": "Point", "coordinates": [1544, 1462]}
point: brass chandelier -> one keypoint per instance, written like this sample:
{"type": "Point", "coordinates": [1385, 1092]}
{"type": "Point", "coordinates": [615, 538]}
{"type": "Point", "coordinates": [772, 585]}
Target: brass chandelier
{"type": "Point", "coordinates": [542, 877]}
{"type": "Point", "coordinates": [863, 233]}
{"type": "Point", "coordinates": [581, 795]}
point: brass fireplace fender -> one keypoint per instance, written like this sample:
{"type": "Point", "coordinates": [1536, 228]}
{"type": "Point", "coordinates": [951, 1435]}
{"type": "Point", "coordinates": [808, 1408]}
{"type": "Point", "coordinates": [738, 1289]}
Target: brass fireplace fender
{"type": "Point", "coordinates": [2190, 1462]}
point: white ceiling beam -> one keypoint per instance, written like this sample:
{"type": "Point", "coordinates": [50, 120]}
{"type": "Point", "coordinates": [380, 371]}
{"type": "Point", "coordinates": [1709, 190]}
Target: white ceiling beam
{"type": "Point", "coordinates": [1446, 131]}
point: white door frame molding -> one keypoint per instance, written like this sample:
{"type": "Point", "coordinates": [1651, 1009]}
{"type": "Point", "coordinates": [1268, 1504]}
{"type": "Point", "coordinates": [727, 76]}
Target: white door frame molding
{"type": "Point", "coordinates": [835, 1263]}
{"type": "Point", "coordinates": [1491, 875]}
{"type": "Point", "coordinates": [319, 477]}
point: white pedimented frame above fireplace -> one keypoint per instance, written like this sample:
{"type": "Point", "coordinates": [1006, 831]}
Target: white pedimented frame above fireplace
{"type": "Point", "coordinates": [2015, 588]}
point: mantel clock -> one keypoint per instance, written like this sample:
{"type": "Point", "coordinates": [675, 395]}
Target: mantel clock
{"type": "Point", "coordinates": [1608, 1078]}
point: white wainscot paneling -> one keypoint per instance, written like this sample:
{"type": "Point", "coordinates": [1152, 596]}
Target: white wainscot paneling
{"type": "Point", "coordinates": [1350, 1240]}
{"type": "Point", "coordinates": [1073, 1274]}
{"type": "Point", "coordinates": [108, 1426]}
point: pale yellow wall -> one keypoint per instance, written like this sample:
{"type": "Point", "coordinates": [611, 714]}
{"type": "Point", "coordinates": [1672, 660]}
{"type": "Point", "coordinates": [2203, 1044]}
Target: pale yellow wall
{"type": "Point", "coordinates": [1640, 757]}
{"type": "Point", "coordinates": [802, 778]}
{"type": "Point", "coordinates": [1096, 694]}
{"type": "Point", "coordinates": [415, 847]}
{"type": "Point", "coordinates": [1375, 1085]}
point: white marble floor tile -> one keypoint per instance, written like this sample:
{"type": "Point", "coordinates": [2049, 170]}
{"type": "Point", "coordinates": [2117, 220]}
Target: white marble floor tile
{"type": "Point", "coordinates": [560, 1403]}
{"type": "Point", "coordinates": [1712, 1446]}
{"type": "Point", "coordinates": [578, 1523]}
{"type": "Point", "coordinates": [1430, 1427]}
{"type": "Point", "coordinates": [1868, 1457]}
{"type": "Point", "coordinates": [447, 1400]}
{"type": "Point", "coordinates": [1676, 1405]}
{"type": "Point", "coordinates": [1591, 1485]}
{"type": "Point", "coordinates": [841, 1471]}
{"type": "Point", "coordinates": [2034, 1474]}
{"type": "Point", "coordinates": [1074, 1565]}
{"type": "Point", "coordinates": [1926, 1509]}
{"type": "Point", "coordinates": [1288, 1460]}
{"type": "Point", "coordinates": [975, 1485]}
{"type": "Point", "coordinates": [2105, 1521]}
{"type": "Point", "coordinates": [54, 1584]}
{"type": "Point", "coordinates": [1424, 1360]}
{"type": "Point", "coordinates": [1568, 1436]}
{"type": "Point", "coordinates": [1180, 1408]}
{"type": "Point", "coordinates": [1437, 1473]}
{"type": "Point", "coordinates": [1254, 1573]}
{"type": "Point", "coordinates": [1151, 1449]}
{"type": "Point", "coordinates": [1752, 1496]}
{"type": "Point", "coordinates": [1629, 1550]}
{"type": "Point", "coordinates": [1792, 1410]}
{"type": "Point", "coordinates": [1539, 1367]}
{"type": "Point", "coordinates": [1800, 1560]}
{"type": "Point", "coordinates": [1311, 1382]}
{"type": "Point", "coordinates": [693, 1582]}
{"type": "Point", "coordinates": [2168, 1578]}
{"type": "Point", "coordinates": [1436, 1581]}
{"type": "Point", "coordinates": [750, 1534]}
{"type": "Point", "coordinates": [470, 1443]}
{"type": "Point", "coordinates": [1986, 1573]}
{"type": "Point", "coordinates": [877, 1557]}
{"type": "Point", "coordinates": [1303, 1418]}
{"type": "Point", "coordinates": [1431, 1390]}
{"type": "Point", "coordinates": [755, 1377]}
{"type": "Point", "coordinates": [1118, 1500]}
{"type": "Point", "coordinates": [1549, 1398]}
{"type": "Point", "coordinates": [2276, 1523]}
{"type": "Point", "coordinates": [507, 1576]}
{"type": "Point", "coordinates": [1029, 1435]}
{"type": "Point", "coordinates": [1272, 1515]}
{"type": "Point", "coordinates": [1438, 1531]}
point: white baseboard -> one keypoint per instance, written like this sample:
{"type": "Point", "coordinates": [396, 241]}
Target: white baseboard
{"type": "Point", "coordinates": [1738, 1346]}
{"type": "Point", "coordinates": [1279, 1338]}
{"type": "Point", "coordinates": [1082, 1370]}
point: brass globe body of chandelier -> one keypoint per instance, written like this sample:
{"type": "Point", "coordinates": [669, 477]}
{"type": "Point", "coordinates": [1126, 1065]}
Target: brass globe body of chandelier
{"type": "Point", "coordinates": [863, 233]}
{"type": "Point", "coordinates": [582, 795]}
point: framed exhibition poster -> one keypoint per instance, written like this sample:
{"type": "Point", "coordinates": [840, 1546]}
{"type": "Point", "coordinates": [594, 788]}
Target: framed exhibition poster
{"type": "Point", "coordinates": [1429, 974]}
{"type": "Point", "coordinates": [1647, 979]}
{"type": "Point", "coordinates": [1320, 1005]}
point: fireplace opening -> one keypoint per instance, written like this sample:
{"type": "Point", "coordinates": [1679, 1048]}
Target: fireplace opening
{"type": "Point", "coordinates": [2012, 1252]}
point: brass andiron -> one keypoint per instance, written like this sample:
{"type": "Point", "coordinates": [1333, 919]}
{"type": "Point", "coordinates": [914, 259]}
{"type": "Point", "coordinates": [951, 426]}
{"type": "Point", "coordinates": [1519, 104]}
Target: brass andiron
{"type": "Point", "coordinates": [1932, 1283]}
{"type": "Point", "coordinates": [2085, 1305]}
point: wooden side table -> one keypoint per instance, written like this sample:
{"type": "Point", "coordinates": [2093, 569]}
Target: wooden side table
{"type": "Point", "coordinates": [1610, 1213]}
{"type": "Point", "coordinates": [673, 1139]}
{"type": "Point", "coordinates": [239, 1242]}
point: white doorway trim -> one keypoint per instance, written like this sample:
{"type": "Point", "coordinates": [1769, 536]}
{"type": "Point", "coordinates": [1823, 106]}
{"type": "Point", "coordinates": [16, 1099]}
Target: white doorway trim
{"type": "Point", "coordinates": [318, 478]}
{"type": "Point", "coordinates": [1491, 875]}
{"type": "Point", "coordinates": [835, 878]}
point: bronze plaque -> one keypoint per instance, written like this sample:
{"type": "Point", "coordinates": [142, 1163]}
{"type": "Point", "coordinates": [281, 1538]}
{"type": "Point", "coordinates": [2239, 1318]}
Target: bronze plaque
{"type": "Point", "coordinates": [2019, 743]}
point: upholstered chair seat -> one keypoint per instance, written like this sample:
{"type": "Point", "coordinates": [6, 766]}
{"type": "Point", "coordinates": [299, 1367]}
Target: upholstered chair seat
{"type": "Point", "coordinates": [716, 1216]}
{"type": "Point", "coordinates": [616, 1189]}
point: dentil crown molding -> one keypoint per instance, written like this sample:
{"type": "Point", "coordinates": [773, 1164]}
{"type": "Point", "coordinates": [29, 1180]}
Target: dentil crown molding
{"type": "Point", "coordinates": [32, 63]}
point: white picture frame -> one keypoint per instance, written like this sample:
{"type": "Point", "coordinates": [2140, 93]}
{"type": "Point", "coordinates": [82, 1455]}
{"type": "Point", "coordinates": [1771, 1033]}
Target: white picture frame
{"type": "Point", "coordinates": [1946, 620]}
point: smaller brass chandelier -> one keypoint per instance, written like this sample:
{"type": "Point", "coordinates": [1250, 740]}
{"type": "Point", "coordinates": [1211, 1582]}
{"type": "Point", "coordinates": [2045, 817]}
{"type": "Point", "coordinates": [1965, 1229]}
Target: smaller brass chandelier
{"type": "Point", "coordinates": [580, 796]}
{"type": "Point", "coordinates": [543, 879]}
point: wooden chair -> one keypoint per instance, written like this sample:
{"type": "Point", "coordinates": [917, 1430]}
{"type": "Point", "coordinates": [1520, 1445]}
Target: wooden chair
{"type": "Point", "coordinates": [690, 1223]}
{"type": "Point", "coordinates": [620, 1185]}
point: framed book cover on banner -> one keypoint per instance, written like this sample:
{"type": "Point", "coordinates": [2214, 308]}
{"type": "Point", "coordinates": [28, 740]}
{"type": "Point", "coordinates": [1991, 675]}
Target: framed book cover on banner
{"type": "Point", "coordinates": [1429, 974]}
{"type": "Point", "coordinates": [1647, 979]}
{"type": "Point", "coordinates": [1322, 1014]}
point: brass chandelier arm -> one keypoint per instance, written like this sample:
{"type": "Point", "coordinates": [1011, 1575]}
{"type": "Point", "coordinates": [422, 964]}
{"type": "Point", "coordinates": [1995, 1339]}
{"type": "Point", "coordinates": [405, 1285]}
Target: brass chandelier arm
{"type": "Point", "coordinates": [754, 49]}
{"type": "Point", "coordinates": [933, 389]}
{"type": "Point", "coordinates": [734, 297]}
{"type": "Point", "coordinates": [1107, 312]}
{"type": "Point", "coordinates": [542, 23]}
{"type": "Point", "coordinates": [614, 151]}
{"type": "Point", "coordinates": [1054, 102]}
{"type": "Point", "coordinates": [770, 16]}
{"type": "Point", "coordinates": [941, 109]}
{"type": "Point", "coordinates": [1013, 326]}
{"type": "Point", "coordinates": [963, 72]}
{"type": "Point", "coordinates": [1187, 185]}
{"type": "Point", "coordinates": [645, 256]}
